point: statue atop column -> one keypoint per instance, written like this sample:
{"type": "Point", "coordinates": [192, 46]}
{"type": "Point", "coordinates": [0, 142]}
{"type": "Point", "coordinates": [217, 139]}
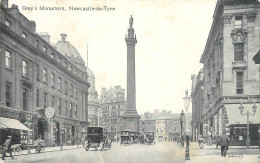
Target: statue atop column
{"type": "Point", "coordinates": [131, 21]}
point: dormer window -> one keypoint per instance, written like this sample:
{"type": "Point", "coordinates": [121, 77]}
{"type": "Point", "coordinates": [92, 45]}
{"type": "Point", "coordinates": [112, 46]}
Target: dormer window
{"type": "Point", "coordinates": [59, 59]}
{"type": "Point", "coordinates": [70, 68]}
{"type": "Point", "coordinates": [24, 35]}
{"type": "Point", "coordinates": [238, 22]}
{"type": "Point", "coordinates": [52, 55]}
{"type": "Point", "coordinates": [7, 22]}
{"type": "Point", "coordinates": [44, 49]}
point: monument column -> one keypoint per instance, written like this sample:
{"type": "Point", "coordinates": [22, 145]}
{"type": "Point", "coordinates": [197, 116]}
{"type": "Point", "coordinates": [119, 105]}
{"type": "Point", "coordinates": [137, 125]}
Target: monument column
{"type": "Point", "coordinates": [131, 117]}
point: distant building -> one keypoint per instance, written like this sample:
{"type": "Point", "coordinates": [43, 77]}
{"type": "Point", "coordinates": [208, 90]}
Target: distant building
{"type": "Point", "coordinates": [113, 106]}
{"type": "Point", "coordinates": [197, 104]}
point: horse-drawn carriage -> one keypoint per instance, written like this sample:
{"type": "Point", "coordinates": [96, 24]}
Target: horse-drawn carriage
{"type": "Point", "coordinates": [125, 137]}
{"type": "Point", "coordinates": [97, 138]}
{"type": "Point", "coordinates": [149, 138]}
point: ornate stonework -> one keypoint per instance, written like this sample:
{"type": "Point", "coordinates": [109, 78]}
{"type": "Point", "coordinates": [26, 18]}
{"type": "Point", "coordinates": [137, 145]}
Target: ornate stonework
{"type": "Point", "coordinates": [239, 35]}
{"type": "Point", "coordinates": [227, 18]}
{"type": "Point", "coordinates": [251, 16]}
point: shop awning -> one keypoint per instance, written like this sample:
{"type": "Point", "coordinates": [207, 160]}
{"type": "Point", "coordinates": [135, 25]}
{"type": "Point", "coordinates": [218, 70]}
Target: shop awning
{"type": "Point", "coordinates": [234, 116]}
{"type": "Point", "coordinates": [12, 124]}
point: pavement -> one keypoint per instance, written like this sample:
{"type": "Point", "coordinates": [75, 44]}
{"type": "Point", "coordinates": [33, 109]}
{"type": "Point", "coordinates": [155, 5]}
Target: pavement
{"type": "Point", "coordinates": [163, 152]}
{"type": "Point", "coordinates": [235, 154]}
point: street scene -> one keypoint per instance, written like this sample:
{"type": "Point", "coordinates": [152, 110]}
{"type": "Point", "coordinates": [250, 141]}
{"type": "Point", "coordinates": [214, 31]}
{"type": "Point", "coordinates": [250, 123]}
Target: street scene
{"type": "Point", "coordinates": [127, 82]}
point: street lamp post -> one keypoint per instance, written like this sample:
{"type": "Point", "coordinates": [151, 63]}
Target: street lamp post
{"type": "Point", "coordinates": [247, 113]}
{"type": "Point", "coordinates": [186, 101]}
{"type": "Point", "coordinates": [181, 122]}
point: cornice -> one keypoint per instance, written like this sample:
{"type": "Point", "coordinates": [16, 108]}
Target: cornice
{"type": "Point", "coordinates": [35, 51]}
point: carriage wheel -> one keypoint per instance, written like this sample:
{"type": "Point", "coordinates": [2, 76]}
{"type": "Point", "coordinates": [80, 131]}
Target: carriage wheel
{"type": "Point", "coordinates": [17, 151]}
{"type": "Point", "coordinates": [86, 148]}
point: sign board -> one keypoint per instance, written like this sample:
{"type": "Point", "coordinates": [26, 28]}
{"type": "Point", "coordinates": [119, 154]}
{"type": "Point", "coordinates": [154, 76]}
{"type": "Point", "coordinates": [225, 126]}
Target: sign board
{"type": "Point", "coordinates": [49, 112]}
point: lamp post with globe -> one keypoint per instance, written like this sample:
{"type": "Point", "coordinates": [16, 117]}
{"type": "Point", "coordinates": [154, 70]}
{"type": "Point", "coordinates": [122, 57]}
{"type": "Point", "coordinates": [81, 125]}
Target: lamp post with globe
{"type": "Point", "coordinates": [247, 113]}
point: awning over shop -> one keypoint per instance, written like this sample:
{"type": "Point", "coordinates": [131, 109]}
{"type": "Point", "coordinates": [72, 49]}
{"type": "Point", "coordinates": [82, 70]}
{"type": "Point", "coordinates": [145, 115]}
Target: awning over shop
{"type": "Point", "coordinates": [234, 116]}
{"type": "Point", "coordinates": [12, 124]}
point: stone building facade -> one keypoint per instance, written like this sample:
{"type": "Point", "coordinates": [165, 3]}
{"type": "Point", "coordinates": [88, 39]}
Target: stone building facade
{"type": "Point", "coordinates": [34, 76]}
{"type": "Point", "coordinates": [68, 50]}
{"type": "Point", "coordinates": [197, 95]}
{"type": "Point", "coordinates": [230, 75]}
{"type": "Point", "coordinates": [113, 106]}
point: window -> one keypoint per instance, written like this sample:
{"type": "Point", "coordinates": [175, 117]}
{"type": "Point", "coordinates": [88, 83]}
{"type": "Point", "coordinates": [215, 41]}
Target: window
{"type": "Point", "coordinates": [52, 55]}
{"type": "Point", "coordinates": [65, 64]}
{"type": "Point", "coordinates": [25, 68]}
{"type": "Point", "coordinates": [70, 110]}
{"type": "Point", "coordinates": [44, 49]}
{"type": "Point", "coordinates": [52, 101]}
{"type": "Point", "coordinates": [44, 75]}
{"type": "Point", "coordinates": [76, 92]}
{"type": "Point", "coordinates": [76, 110]}
{"type": "Point", "coordinates": [66, 109]}
{"type": "Point", "coordinates": [75, 72]}
{"type": "Point", "coordinates": [239, 52]}
{"type": "Point", "coordinates": [25, 99]}
{"type": "Point", "coordinates": [24, 35]}
{"type": "Point", "coordinates": [66, 87]}
{"type": "Point", "coordinates": [59, 83]}
{"type": "Point", "coordinates": [8, 94]}
{"type": "Point", "coordinates": [37, 72]}
{"type": "Point", "coordinates": [7, 22]}
{"type": "Point", "coordinates": [45, 100]}
{"type": "Point", "coordinates": [8, 59]}
{"type": "Point", "coordinates": [52, 79]}
{"type": "Point", "coordinates": [37, 43]}
{"type": "Point", "coordinates": [239, 82]}
{"type": "Point", "coordinates": [71, 90]}
{"type": "Point", "coordinates": [59, 105]}
{"type": "Point", "coordinates": [238, 22]}
{"type": "Point", "coordinates": [37, 98]}
{"type": "Point", "coordinates": [70, 68]}
{"type": "Point", "coordinates": [59, 59]}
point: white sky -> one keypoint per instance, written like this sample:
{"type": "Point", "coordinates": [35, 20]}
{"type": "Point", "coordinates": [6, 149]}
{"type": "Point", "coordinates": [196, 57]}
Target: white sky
{"type": "Point", "coordinates": [171, 36]}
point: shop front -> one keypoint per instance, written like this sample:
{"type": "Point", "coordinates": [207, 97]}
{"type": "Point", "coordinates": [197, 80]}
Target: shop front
{"type": "Point", "coordinates": [235, 124]}
{"type": "Point", "coordinates": [19, 132]}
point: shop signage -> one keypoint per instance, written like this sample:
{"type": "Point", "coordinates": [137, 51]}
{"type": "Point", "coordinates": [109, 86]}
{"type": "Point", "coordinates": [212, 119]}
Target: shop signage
{"type": "Point", "coordinates": [55, 92]}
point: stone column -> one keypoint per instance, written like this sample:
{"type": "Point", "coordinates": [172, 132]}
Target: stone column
{"type": "Point", "coordinates": [131, 117]}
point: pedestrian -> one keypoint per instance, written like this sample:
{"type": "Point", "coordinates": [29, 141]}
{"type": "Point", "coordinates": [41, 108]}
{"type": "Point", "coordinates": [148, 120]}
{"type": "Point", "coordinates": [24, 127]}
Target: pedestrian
{"type": "Point", "coordinates": [217, 140]}
{"type": "Point", "coordinates": [224, 142]}
{"type": "Point", "coordinates": [39, 145]}
{"type": "Point", "coordinates": [200, 141]}
{"type": "Point", "coordinates": [7, 147]}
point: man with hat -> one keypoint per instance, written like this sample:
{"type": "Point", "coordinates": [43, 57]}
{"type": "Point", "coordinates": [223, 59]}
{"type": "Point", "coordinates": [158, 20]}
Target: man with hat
{"type": "Point", "coordinates": [7, 147]}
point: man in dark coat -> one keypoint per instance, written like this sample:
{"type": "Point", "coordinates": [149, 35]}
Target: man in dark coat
{"type": "Point", "coordinates": [217, 139]}
{"type": "Point", "coordinates": [7, 147]}
{"type": "Point", "coordinates": [224, 144]}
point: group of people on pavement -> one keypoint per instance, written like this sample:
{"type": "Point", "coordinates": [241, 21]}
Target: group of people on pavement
{"type": "Point", "coordinates": [222, 141]}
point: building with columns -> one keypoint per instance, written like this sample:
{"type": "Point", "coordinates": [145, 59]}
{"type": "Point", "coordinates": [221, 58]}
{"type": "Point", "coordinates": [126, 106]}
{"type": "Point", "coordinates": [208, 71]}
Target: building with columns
{"type": "Point", "coordinates": [230, 75]}
{"type": "Point", "coordinates": [68, 50]}
{"type": "Point", "coordinates": [197, 95]}
{"type": "Point", "coordinates": [34, 76]}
